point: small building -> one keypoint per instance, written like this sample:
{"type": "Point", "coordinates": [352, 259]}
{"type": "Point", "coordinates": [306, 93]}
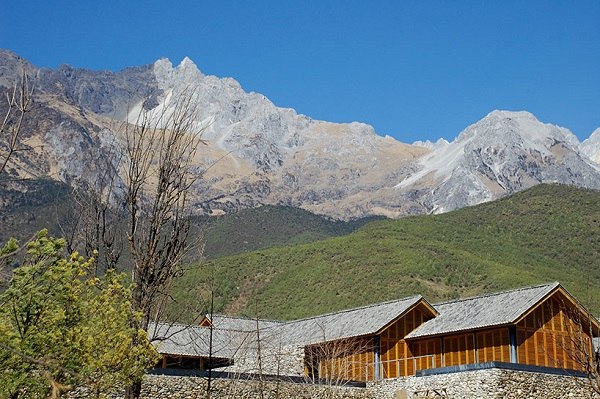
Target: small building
{"type": "Point", "coordinates": [541, 326]}
{"type": "Point", "coordinates": [193, 347]}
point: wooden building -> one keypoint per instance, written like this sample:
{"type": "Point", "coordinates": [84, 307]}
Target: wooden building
{"type": "Point", "coordinates": [542, 327]}
{"type": "Point", "coordinates": [539, 326]}
{"type": "Point", "coordinates": [212, 344]}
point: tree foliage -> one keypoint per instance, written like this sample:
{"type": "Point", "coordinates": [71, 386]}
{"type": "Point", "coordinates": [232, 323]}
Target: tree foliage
{"type": "Point", "coordinates": [61, 326]}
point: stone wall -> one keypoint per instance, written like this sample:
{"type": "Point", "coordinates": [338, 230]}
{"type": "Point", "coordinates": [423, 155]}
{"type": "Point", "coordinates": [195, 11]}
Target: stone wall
{"type": "Point", "coordinates": [164, 387]}
{"type": "Point", "coordinates": [479, 384]}
{"type": "Point", "coordinates": [285, 360]}
{"type": "Point", "coordinates": [488, 384]}
{"type": "Point", "coordinates": [177, 387]}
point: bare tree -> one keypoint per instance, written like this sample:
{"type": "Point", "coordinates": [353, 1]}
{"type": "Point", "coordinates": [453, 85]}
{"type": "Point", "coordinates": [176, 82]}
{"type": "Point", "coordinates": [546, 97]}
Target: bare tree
{"type": "Point", "coordinates": [158, 171]}
{"type": "Point", "coordinates": [19, 100]}
{"type": "Point", "coordinates": [340, 361]}
{"type": "Point", "coordinates": [97, 218]}
{"type": "Point", "coordinates": [578, 344]}
{"type": "Point", "coordinates": [160, 149]}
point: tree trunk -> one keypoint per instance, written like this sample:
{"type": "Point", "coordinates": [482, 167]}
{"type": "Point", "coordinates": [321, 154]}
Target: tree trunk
{"type": "Point", "coordinates": [134, 390]}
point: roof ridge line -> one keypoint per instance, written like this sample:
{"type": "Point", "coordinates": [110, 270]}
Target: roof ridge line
{"type": "Point", "coordinates": [353, 309]}
{"type": "Point", "coordinates": [173, 326]}
{"type": "Point", "coordinates": [554, 283]}
{"type": "Point", "coordinates": [248, 318]}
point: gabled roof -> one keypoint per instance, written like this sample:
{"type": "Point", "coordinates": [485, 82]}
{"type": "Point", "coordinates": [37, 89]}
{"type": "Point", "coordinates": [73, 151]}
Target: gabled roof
{"type": "Point", "coordinates": [182, 340]}
{"type": "Point", "coordinates": [366, 320]}
{"type": "Point", "coordinates": [357, 322]}
{"type": "Point", "coordinates": [490, 310]}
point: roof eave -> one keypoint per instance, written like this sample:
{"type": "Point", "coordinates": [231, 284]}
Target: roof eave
{"type": "Point", "coordinates": [466, 330]}
{"type": "Point", "coordinates": [559, 288]}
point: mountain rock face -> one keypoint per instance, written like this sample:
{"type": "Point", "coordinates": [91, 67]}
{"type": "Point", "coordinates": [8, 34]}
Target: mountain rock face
{"type": "Point", "coordinates": [503, 153]}
{"type": "Point", "coordinates": [591, 146]}
{"type": "Point", "coordinates": [257, 153]}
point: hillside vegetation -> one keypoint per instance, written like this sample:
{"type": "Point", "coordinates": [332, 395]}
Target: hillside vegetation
{"type": "Point", "coordinates": [265, 227]}
{"type": "Point", "coordinates": [546, 233]}
{"type": "Point", "coordinates": [32, 205]}
{"type": "Point", "coordinates": [45, 204]}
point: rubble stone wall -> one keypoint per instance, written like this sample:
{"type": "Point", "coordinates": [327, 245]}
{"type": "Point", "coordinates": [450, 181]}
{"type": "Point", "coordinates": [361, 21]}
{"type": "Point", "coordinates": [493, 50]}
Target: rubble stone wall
{"type": "Point", "coordinates": [186, 387]}
{"type": "Point", "coordinates": [486, 384]}
{"type": "Point", "coordinates": [285, 360]}
{"type": "Point", "coordinates": [477, 384]}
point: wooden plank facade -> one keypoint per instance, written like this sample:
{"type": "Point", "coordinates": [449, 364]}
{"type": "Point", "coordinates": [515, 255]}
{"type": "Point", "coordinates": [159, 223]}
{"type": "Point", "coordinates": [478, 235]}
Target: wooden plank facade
{"type": "Point", "coordinates": [368, 358]}
{"type": "Point", "coordinates": [397, 357]}
{"type": "Point", "coordinates": [552, 335]}
{"type": "Point", "coordinates": [490, 345]}
{"type": "Point", "coordinates": [349, 359]}
{"type": "Point", "coordinates": [548, 334]}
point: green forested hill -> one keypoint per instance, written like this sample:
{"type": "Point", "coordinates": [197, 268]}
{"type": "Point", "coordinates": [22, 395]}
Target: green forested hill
{"type": "Point", "coordinates": [45, 204]}
{"type": "Point", "coordinates": [267, 226]}
{"type": "Point", "coordinates": [547, 233]}
{"type": "Point", "coordinates": [37, 204]}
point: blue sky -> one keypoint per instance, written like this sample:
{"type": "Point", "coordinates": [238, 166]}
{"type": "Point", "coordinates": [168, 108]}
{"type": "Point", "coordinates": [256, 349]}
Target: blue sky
{"type": "Point", "coordinates": [415, 70]}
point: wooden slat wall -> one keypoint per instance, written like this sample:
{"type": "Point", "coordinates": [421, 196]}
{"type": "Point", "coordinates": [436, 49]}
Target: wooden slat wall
{"type": "Point", "coordinates": [550, 336]}
{"type": "Point", "coordinates": [351, 359]}
{"type": "Point", "coordinates": [467, 348]}
{"type": "Point", "coordinates": [493, 345]}
{"type": "Point", "coordinates": [422, 350]}
{"type": "Point", "coordinates": [396, 355]}
{"type": "Point", "coordinates": [459, 349]}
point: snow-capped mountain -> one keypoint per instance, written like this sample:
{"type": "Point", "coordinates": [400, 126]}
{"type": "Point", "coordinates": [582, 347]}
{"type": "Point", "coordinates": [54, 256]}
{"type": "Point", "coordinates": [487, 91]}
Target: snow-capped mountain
{"type": "Point", "coordinates": [503, 153]}
{"type": "Point", "coordinates": [258, 153]}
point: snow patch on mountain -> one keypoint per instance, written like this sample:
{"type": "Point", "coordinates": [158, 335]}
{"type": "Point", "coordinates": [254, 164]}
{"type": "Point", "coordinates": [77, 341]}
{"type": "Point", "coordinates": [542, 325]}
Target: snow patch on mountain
{"type": "Point", "coordinates": [591, 146]}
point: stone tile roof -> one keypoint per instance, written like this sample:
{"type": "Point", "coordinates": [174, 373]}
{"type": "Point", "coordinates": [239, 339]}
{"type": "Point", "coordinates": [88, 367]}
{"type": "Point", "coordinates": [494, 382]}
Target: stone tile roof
{"type": "Point", "coordinates": [181, 340]}
{"type": "Point", "coordinates": [484, 311]}
{"type": "Point", "coordinates": [240, 323]}
{"type": "Point", "coordinates": [366, 320]}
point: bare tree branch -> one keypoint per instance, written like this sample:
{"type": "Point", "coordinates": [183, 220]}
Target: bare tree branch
{"type": "Point", "coordinates": [19, 100]}
{"type": "Point", "coordinates": [158, 163]}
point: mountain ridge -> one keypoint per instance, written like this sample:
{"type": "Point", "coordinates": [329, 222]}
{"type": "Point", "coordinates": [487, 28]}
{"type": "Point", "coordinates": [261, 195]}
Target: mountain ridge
{"type": "Point", "coordinates": [258, 153]}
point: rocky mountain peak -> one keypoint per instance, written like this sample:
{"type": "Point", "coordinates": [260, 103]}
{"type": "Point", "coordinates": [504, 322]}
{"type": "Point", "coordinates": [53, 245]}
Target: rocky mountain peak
{"type": "Point", "coordinates": [257, 153]}
{"type": "Point", "coordinates": [11, 66]}
{"type": "Point", "coordinates": [187, 63]}
{"type": "Point", "coordinates": [504, 152]}
{"type": "Point", "coordinates": [441, 142]}
{"type": "Point", "coordinates": [184, 75]}
{"type": "Point", "coordinates": [520, 127]}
